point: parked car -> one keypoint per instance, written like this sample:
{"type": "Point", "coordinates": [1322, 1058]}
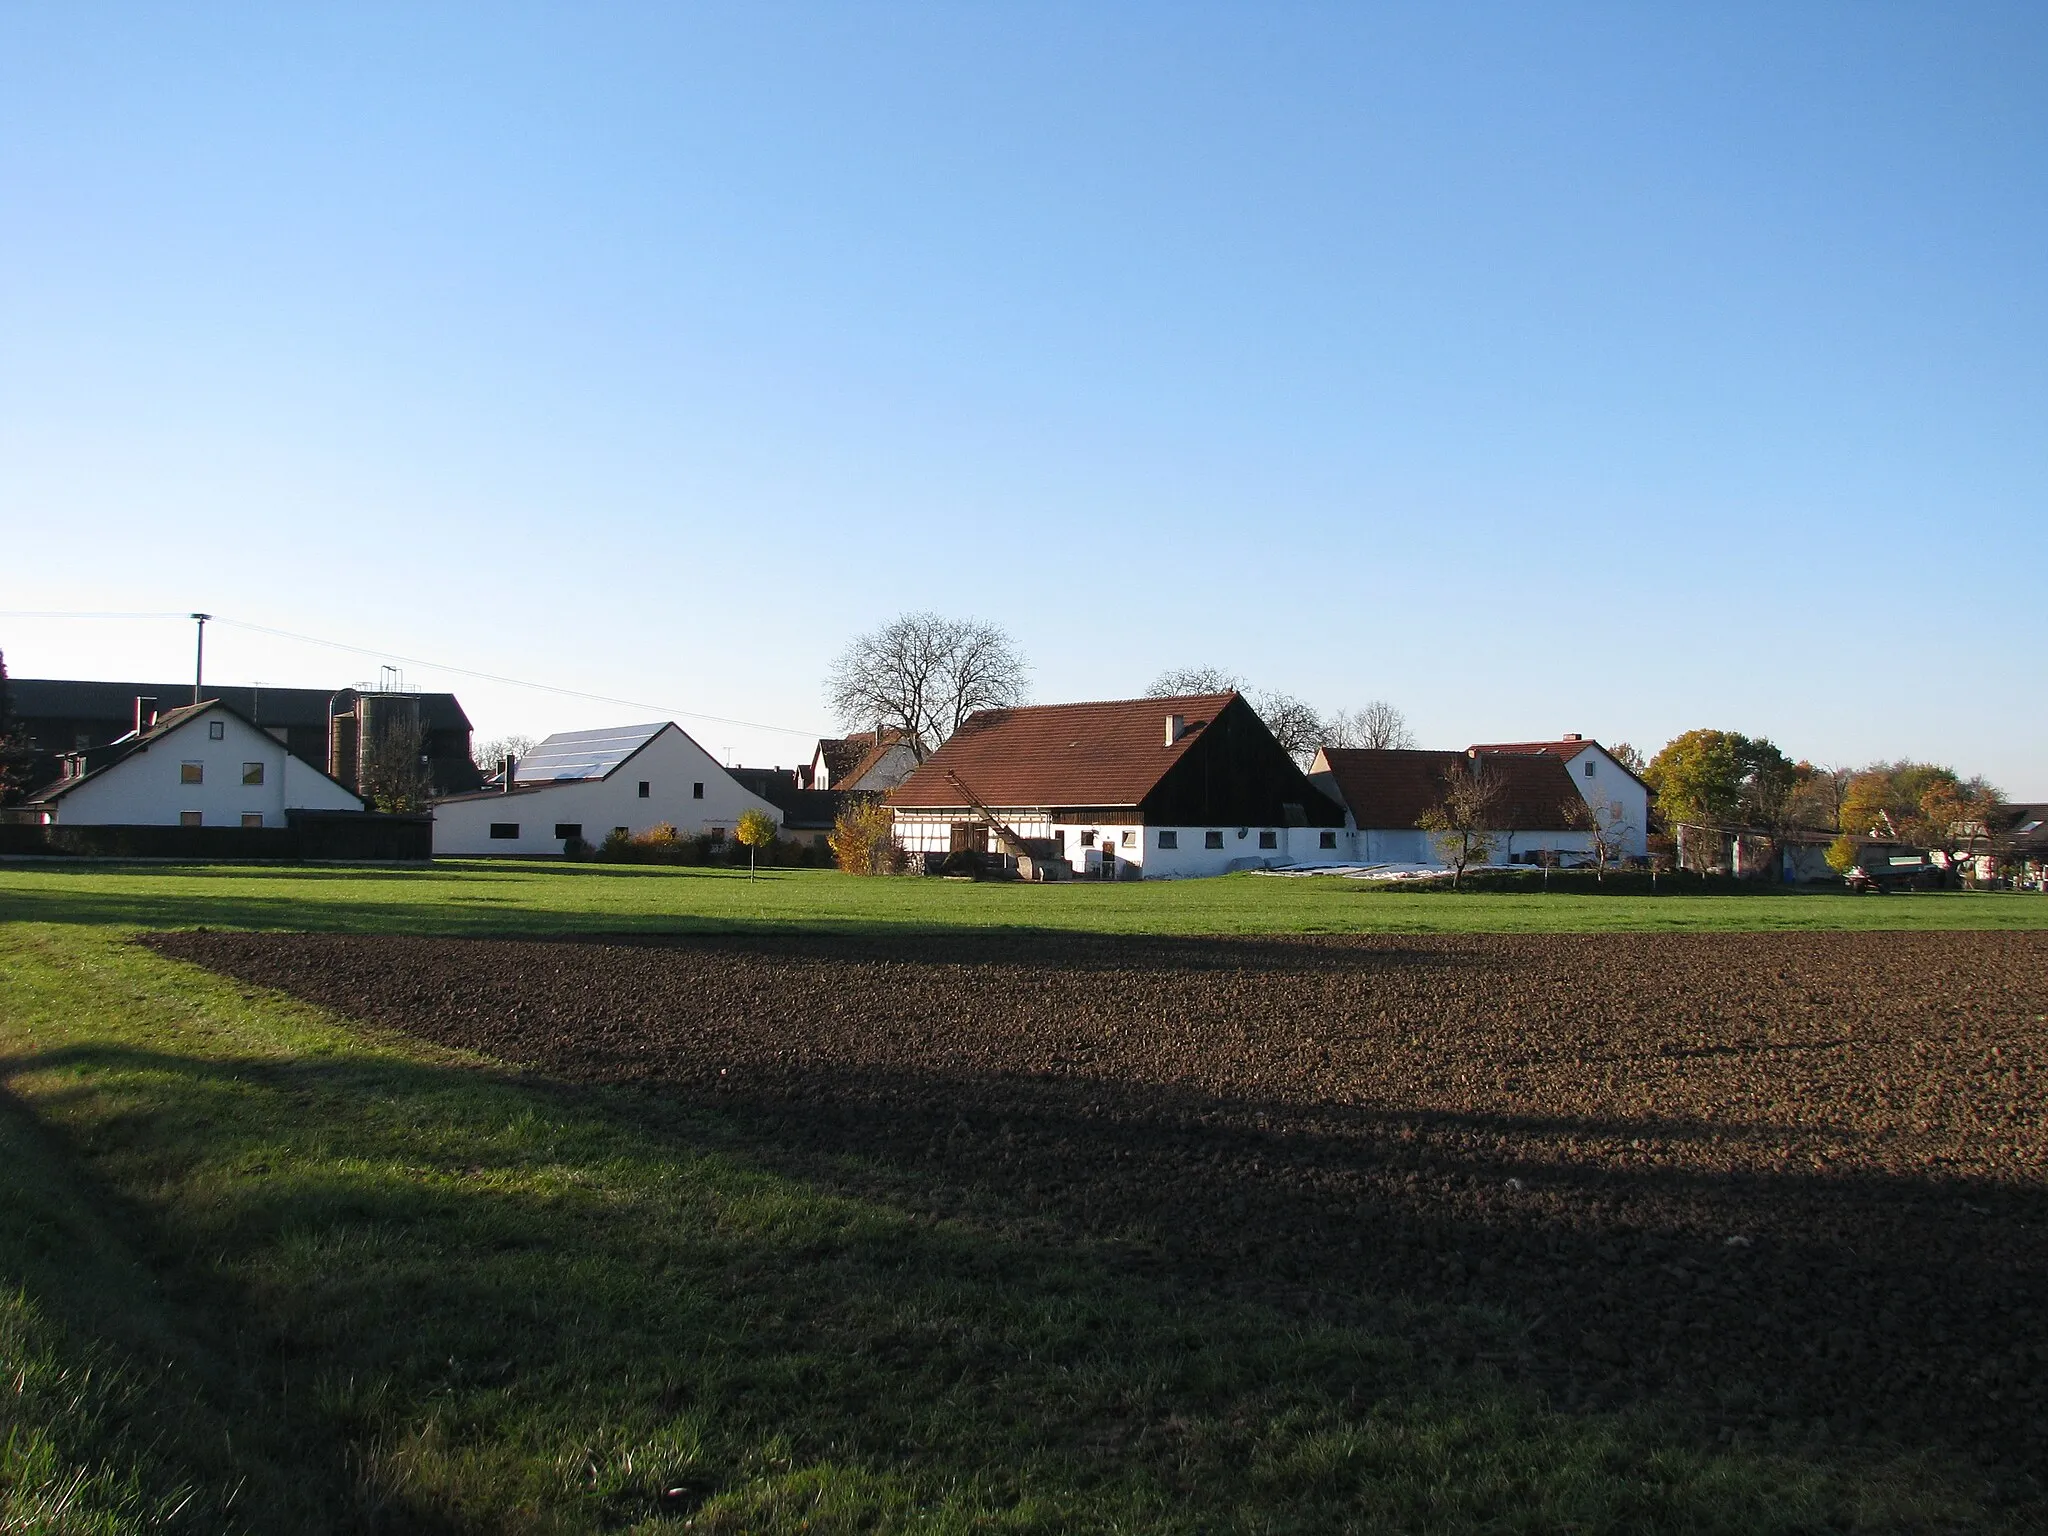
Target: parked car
{"type": "Point", "coordinates": [1888, 867]}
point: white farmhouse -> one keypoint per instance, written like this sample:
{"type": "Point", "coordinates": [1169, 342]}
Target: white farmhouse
{"type": "Point", "coordinates": [1616, 795]}
{"type": "Point", "coordinates": [204, 765]}
{"type": "Point", "coordinates": [1122, 789]}
{"type": "Point", "coordinates": [584, 785]}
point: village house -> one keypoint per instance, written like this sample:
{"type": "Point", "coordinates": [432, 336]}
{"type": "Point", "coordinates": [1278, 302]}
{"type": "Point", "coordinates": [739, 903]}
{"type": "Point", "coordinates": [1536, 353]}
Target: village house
{"type": "Point", "coordinates": [580, 786]}
{"type": "Point", "coordinates": [62, 716]}
{"type": "Point", "coordinates": [867, 762]}
{"type": "Point", "coordinates": [1608, 786]}
{"type": "Point", "coordinates": [808, 815]}
{"type": "Point", "coordinates": [1123, 789]}
{"type": "Point", "coordinates": [205, 765]}
{"type": "Point", "coordinates": [1540, 816]}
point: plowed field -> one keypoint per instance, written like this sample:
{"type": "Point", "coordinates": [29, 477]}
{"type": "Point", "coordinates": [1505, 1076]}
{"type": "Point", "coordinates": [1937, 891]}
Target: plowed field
{"type": "Point", "coordinates": [1796, 1185]}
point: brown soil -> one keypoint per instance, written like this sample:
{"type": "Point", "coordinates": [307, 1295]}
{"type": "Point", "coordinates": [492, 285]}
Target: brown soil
{"type": "Point", "coordinates": [1794, 1183]}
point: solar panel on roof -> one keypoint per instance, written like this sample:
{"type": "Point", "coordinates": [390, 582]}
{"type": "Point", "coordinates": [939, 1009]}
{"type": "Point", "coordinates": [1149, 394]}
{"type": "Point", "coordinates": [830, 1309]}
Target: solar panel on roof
{"type": "Point", "coordinates": [583, 754]}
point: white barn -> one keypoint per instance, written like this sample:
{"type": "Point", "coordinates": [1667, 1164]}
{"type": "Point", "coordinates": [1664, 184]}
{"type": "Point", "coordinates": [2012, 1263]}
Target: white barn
{"type": "Point", "coordinates": [204, 765]}
{"type": "Point", "coordinates": [583, 785]}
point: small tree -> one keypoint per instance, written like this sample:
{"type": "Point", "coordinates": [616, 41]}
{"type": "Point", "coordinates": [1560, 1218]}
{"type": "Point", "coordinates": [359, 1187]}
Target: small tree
{"type": "Point", "coordinates": [1461, 825]}
{"type": "Point", "coordinates": [757, 830]}
{"type": "Point", "coordinates": [1606, 828]}
{"type": "Point", "coordinates": [863, 840]}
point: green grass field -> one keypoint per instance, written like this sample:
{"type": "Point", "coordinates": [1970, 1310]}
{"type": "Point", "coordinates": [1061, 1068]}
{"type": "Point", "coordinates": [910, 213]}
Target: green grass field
{"type": "Point", "coordinates": [539, 898]}
{"type": "Point", "coordinates": [264, 1270]}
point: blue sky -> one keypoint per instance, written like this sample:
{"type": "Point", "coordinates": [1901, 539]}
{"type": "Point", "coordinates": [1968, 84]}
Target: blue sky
{"type": "Point", "coordinates": [1618, 369]}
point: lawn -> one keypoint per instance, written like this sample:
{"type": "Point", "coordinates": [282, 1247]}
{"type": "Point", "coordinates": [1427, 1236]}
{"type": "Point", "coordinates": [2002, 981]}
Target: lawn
{"type": "Point", "coordinates": [264, 1269]}
{"type": "Point", "coordinates": [542, 898]}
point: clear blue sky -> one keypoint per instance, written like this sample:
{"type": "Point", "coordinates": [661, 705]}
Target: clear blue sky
{"type": "Point", "coordinates": [1617, 369]}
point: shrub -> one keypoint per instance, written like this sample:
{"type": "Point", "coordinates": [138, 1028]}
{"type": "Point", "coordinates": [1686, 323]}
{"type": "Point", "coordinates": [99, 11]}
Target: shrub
{"type": "Point", "coordinates": [863, 839]}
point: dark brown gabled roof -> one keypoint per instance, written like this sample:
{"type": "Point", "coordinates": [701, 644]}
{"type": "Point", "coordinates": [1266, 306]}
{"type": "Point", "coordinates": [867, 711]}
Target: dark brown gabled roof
{"type": "Point", "coordinates": [1563, 750]}
{"type": "Point", "coordinates": [1385, 789]}
{"type": "Point", "coordinates": [1108, 753]}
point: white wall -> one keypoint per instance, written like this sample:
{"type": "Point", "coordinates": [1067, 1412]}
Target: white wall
{"type": "Point", "coordinates": [1193, 856]}
{"type": "Point", "coordinates": [1610, 784]}
{"type": "Point", "coordinates": [145, 789]}
{"type": "Point", "coordinates": [671, 765]}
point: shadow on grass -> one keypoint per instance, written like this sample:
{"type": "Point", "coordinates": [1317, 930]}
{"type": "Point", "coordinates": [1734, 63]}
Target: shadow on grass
{"type": "Point", "coordinates": [1028, 1304]}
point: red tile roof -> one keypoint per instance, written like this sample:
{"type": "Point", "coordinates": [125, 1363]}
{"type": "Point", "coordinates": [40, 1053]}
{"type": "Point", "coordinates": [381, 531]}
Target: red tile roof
{"type": "Point", "coordinates": [1388, 789]}
{"type": "Point", "coordinates": [1563, 751]}
{"type": "Point", "coordinates": [1109, 753]}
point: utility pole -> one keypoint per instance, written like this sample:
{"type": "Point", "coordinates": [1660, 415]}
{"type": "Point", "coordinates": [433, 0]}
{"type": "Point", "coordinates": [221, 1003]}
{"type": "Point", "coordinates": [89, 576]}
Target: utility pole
{"type": "Point", "coordinates": [199, 659]}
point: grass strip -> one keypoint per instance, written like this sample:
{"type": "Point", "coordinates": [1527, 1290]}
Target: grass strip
{"type": "Point", "coordinates": [538, 898]}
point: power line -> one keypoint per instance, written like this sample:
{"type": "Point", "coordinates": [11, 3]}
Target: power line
{"type": "Point", "coordinates": [438, 666]}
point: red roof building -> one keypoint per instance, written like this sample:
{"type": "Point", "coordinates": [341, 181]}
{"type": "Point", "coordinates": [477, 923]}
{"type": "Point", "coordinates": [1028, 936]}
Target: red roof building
{"type": "Point", "coordinates": [1150, 787]}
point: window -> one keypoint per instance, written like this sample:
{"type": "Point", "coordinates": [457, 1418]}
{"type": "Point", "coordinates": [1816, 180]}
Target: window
{"type": "Point", "coordinates": [696, 791]}
{"type": "Point", "coordinates": [1088, 838]}
{"type": "Point", "coordinates": [1327, 840]}
{"type": "Point", "coordinates": [1589, 767]}
{"type": "Point", "coordinates": [568, 829]}
{"type": "Point", "coordinates": [504, 829]}
{"type": "Point", "coordinates": [623, 831]}
{"type": "Point", "coordinates": [1169, 839]}
{"type": "Point", "coordinates": [1059, 838]}
{"type": "Point", "coordinates": [216, 730]}
{"type": "Point", "coordinates": [1213, 838]}
{"type": "Point", "coordinates": [717, 834]}
{"type": "Point", "coordinates": [1268, 840]}
{"type": "Point", "coordinates": [1129, 839]}
{"type": "Point", "coordinates": [252, 773]}
{"type": "Point", "coordinates": [252, 818]}
{"type": "Point", "coordinates": [189, 819]}
{"type": "Point", "coordinates": [191, 773]}
{"type": "Point", "coordinates": [647, 789]}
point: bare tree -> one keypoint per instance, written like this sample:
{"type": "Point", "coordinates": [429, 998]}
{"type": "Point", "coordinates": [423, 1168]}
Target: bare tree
{"type": "Point", "coordinates": [1606, 827]}
{"type": "Point", "coordinates": [923, 674]}
{"type": "Point", "coordinates": [1294, 724]}
{"type": "Point", "coordinates": [1379, 727]}
{"type": "Point", "coordinates": [1462, 824]}
{"type": "Point", "coordinates": [1176, 681]}
{"type": "Point", "coordinates": [489, 756]}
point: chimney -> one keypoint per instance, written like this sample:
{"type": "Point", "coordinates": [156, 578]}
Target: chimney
{"type": "Point", "coordinates": [1175, 724]}
{"type": "Point", "coordinates": [145, 712]}
{"type": "Point", "coordinates": [511, 766]}
{"type": "Point", "coordinates": [1573, 736]}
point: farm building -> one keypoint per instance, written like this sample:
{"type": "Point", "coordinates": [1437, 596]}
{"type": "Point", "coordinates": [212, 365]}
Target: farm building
{"type": "Point", "coordinates": [1125, 789]}
{"type": "Point", "coordinates": [1603, 781]}
{"type": "Point", "coordinates": [808, 815]}
{"type": "Point", "coordinates": [867, 762]}
{"type": "Point", "coordinates": [204, 765]}
{"type": "Point", "coordinates": [61, 716]}
{"type": "Point", "coordinates": [1386, 791]}
{"type": "Point", "coordinates": [580, 786]}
